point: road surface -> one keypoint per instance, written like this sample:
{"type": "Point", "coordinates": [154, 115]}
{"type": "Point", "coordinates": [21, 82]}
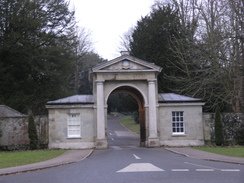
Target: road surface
{"type": "Point", "coordinates": [126, 162]}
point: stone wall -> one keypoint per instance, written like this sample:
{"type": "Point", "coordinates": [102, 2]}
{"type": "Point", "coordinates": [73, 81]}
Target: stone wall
{"type": "Point", "coordinates": [231, 125]}
{"type": "Point", "coordinates": [14, 132]}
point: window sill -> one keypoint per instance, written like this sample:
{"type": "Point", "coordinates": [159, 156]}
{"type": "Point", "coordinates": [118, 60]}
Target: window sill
{"type": "Point", "coordinates": [178, 135]}
{"type": "Point", "coordinates": [73, 137]}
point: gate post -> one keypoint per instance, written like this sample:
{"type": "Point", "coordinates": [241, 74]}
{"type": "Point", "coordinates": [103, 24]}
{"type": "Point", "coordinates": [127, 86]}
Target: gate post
{"type": "Point", "coordinates": [101, 141]}
{"type": "Point", "coordinates": [153, 140]}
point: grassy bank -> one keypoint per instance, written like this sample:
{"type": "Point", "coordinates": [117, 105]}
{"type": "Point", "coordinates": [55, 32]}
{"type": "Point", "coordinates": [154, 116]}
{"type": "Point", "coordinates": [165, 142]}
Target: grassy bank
{"type": "Point", "coordinates": [129, 123]}
{"type": "Point", "coordinates": [12, 159]}
{"type": "Point", "coordinates": [227, 151]}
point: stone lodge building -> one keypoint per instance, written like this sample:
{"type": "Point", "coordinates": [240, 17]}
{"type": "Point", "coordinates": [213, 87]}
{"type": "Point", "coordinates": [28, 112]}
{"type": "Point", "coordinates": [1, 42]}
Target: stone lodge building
{"type": "Point", "coordinates": [80, 121]}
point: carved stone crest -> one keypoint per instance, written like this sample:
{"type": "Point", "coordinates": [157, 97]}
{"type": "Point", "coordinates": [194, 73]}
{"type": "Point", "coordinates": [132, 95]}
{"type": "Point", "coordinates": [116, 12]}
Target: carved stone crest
{"type": "Point", "coordinates": [125, 64]}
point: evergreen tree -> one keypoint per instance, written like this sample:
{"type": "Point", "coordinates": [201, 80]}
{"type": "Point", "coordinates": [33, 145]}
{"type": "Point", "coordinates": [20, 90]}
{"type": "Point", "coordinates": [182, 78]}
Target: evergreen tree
{"type": "Point", "coordinates": [219, 136]}
{"type": "Point", "coordinates": [32, 133]}
{"type": "Point", "coordinates": [151, 40]}
{"type": "Point", "coordinates": [37, 44]}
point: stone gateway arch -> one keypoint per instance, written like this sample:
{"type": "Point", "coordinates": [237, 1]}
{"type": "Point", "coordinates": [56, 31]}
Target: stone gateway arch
{"type": "Point", "coordinates": [80, 121]}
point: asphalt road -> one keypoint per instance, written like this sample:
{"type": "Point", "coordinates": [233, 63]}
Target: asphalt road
{"type": "Point", "coordinates": [119, 136]}
{"type": "Point", "coordinates": [126, 162]}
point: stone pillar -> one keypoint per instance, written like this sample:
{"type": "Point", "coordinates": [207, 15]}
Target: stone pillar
{"type": "Point", "coordinates": [101, 141]}
{"type": "Point", "coordinates": [153, 140]}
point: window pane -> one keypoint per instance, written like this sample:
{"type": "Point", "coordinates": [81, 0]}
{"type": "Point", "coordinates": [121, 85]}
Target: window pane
{"type": "Point", "coordinates": [73, 125]}
{"type": "Point", "coordinates": [178, 122]}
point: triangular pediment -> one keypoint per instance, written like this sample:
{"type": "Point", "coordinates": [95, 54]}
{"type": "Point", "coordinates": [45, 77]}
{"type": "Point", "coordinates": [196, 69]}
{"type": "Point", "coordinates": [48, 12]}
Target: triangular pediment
{"type": "Point", "coordinates": [126, 63]}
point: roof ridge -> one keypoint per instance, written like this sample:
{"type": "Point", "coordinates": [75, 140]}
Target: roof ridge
{"type": "Point", "coordinates": [18, 114]}
{"type": "Point", "coordinates": [172, 97]}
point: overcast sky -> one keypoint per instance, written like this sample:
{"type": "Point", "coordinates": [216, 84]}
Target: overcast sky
{"type": "Point", "coordinates": [108, 20]}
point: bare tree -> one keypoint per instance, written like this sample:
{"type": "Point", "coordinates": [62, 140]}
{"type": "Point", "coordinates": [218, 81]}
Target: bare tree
{"type": "Point", "coordinates": [237, 50]}
{"type": "Point", "coordinates": [84, 46]}
{"type": "Point", "coordinates": [126, 39]}
{"type": "Point", "coordinates": [222, 38]}
{"type": "Point", "coordinates": [211, 53]}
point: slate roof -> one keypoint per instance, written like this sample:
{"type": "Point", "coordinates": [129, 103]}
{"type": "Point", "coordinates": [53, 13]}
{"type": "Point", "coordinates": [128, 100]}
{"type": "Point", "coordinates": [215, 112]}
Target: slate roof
{"type": "Point", "coordinates": [6, 111]}
{"type": "Point", "coordinates": [174, 98]}
{"type": "Point", "coordinates": [75, 99]}
{"type": "Point", "coordinates": [88, 99]}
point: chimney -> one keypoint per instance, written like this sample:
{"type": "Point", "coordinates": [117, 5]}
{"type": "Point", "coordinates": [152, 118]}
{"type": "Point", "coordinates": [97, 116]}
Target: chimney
{"type": "Point", "coordinates": [125, 53]}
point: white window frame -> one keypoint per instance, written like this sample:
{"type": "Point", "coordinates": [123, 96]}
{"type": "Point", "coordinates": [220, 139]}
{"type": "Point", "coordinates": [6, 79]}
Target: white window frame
{"type": "Point", "coordinates": [73, 124]}
{"type": "Point", "coordinates": [178, 123]}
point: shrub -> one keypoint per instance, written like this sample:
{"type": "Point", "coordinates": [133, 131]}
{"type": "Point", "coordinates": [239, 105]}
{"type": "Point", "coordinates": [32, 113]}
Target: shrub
{"type": "Point", "coordinates": [219, 136]}
{"type": "Point", "coordinates": [136, 117]}
{"type": "Point", "coordinates": [232, 127]}
{"type": "Point", "coordinates": [239, 136]}
{"type": "Point", "coordinates": [32, 133]}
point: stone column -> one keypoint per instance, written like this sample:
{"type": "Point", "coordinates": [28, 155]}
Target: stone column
{"type": "Point", "coordinates": [101, 141]}
{"type": "Point", "coordinates": [153, 140]}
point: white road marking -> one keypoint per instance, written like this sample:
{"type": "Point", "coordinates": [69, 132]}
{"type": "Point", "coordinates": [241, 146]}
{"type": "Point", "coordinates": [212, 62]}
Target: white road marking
{"type": "Point", "coordinates": [201, 166]}
{"type": "Point", "coordinates": [230, 170]}
{"type": "Point", "coordinates": [111, 138]}
{"type": "Point", "coordinates": [110, 134]}
{"type": "Point", "coordinates": [125, 134]}
{"type": "Point", "coordinates": [180, 170]}
{"type": "Point", "coordinates": [211, 168]}
{"type": "Point", "coordinates": [116, 147]}
{"type": "Point", "coordinates": [140, 167]}
{"type": "Point", "coordinates": [136, 156]}
{"type": "Point", "coordinates": [204, 170]}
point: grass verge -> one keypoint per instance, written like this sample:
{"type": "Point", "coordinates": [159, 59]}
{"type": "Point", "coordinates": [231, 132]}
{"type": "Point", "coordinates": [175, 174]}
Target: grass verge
{"type": "Point", "coordinates": [129, 123]}
{"type": "Point", "coordinates": [12, 159]}
{"type": "Point", "coordinates": [227, 151]}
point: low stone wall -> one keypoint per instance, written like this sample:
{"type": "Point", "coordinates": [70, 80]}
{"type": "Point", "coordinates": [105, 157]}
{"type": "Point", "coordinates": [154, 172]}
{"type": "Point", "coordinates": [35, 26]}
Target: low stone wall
{"type": "Point", "coordinates": [232, 124]}
{"type": "Point", "coordinates": [14, 132]}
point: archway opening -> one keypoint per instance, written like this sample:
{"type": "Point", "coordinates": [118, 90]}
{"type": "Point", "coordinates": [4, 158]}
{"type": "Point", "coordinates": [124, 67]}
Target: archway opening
{"type": "Point", "coordinates": [130, 102]}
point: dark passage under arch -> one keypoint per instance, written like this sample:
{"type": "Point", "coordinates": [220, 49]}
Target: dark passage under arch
{"type": "Point", "coordinates": [141, 109]}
